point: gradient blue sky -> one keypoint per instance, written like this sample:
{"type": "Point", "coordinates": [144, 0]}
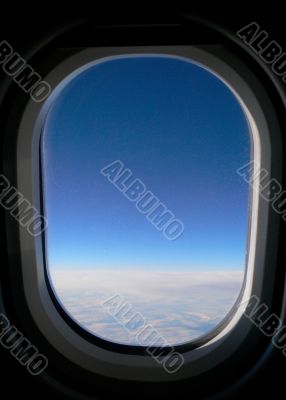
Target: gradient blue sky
{"type": "Point", "coordinates": [181, 131]}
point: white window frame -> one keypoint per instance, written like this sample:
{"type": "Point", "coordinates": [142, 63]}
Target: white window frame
{"type": "Point", "coordinates": [265, 140]}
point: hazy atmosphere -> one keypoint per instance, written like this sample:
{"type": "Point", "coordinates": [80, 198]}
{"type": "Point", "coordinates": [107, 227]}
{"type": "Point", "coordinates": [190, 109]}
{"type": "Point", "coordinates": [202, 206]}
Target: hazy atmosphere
{"type": "Point", "coordinates": [180, 130]}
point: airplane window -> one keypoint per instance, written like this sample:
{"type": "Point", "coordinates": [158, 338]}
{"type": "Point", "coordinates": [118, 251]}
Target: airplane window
{"type": "Point", "coordinates": [147, 216]}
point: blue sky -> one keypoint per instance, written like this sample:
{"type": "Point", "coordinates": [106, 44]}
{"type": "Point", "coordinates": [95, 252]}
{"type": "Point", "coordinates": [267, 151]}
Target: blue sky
{"type": "Point", "coordinates": [181, 131]}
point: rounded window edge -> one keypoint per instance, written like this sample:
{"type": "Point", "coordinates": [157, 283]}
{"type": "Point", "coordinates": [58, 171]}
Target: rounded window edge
{"type": "Point", "coordinates": [36, 274]}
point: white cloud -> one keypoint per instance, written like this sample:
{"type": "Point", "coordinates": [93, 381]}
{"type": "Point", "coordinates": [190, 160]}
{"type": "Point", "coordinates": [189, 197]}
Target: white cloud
{"type": "Point", "coordinates": [181, 306]}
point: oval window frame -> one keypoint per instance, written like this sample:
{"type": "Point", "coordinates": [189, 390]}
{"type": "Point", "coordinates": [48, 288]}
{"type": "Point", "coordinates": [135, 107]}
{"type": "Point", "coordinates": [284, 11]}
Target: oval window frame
{"type": "Point", "coordinates": [46, 314]}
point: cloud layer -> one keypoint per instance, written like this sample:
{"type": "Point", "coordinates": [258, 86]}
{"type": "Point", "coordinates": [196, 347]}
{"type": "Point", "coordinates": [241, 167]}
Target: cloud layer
{"type": "Point", "coordinates": [181, 306]}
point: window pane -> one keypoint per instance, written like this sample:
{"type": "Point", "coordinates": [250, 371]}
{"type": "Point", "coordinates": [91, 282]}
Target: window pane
{"type": "Point", "coordinates": [146, 212]}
